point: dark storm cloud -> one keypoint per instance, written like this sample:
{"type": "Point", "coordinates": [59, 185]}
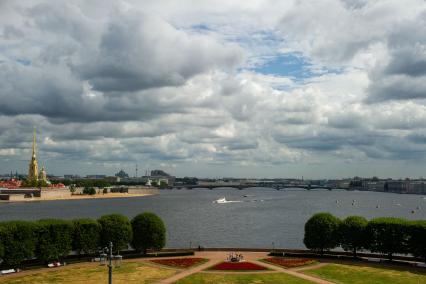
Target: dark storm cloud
{"type": "Point", "coordinates": [327, 141]}
{"type": "Point", "coordinates": [88, 69]}
{"type": "Point", "coordinates": [396, 88]}
{"type": "Point", "coordinates": [409, 61]}
{"type": "Point", "coordinates": [137, 51]}
{"type": "Point", "coordinates": [404, 76]}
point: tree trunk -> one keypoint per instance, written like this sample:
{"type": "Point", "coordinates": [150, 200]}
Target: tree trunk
{"type": "Point", "coordinates": [354, 252]}
{"type": "Point", "coordinates": [390, 256]}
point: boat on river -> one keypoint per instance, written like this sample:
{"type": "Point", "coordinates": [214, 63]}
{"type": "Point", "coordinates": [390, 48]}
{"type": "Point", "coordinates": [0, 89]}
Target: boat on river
{"type": "Point", "coordinates": [220, 200]}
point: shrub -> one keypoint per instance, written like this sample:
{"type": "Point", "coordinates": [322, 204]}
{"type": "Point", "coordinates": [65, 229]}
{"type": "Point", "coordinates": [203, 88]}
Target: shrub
{"type": "Point", "coordinates": [149, 232]}
{"type": "Point", "coordinates": [417, 239]}
{"type": "Point", "coordinates": [115, 228]}
{"type": "Point", "coordinates": [388, 235]}
{"type": "Point", "coordinates": [352, 233]}
{"type": "Point", "coordinates": [321, 232]}
{"type": "Point", "coordinates": [18, 241]}
{"type": "Point", "coordinates": [54, 239]}
{"type": "Point", "coordinates": [86, 235]}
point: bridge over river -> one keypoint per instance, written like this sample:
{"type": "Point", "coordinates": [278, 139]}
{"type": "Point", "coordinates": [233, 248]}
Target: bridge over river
{"type": "Point", "coordinates": [240, 186]}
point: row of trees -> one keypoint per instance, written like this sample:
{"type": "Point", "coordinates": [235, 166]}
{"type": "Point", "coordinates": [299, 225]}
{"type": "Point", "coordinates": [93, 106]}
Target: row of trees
{"type": "Point", "coordinates": [87, 182]}
{"type": "Point", "coordinates": [53, 239]}
{"type": "Point", "coordinates": [389, 236]}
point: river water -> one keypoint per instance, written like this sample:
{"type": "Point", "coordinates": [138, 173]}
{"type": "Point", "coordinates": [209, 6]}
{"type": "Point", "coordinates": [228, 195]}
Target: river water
{"type": "Point", "coordinates": [257, 218]}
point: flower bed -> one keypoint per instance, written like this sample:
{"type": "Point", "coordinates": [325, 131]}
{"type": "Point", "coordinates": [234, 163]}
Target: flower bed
{"type": "Point", "coordinates": [179, 262]}
{"type": "Point", "coordinates": [289, 262]}
{"type": "Point", "coordinates": [237, 266]}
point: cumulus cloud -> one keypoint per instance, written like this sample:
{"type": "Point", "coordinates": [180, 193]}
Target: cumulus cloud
{"type": "Point", "coordinates": [115, 83]}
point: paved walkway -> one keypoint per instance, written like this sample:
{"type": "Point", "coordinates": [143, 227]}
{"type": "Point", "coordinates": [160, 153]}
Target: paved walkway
{"type": "Point", "coordinates": [219, 256]}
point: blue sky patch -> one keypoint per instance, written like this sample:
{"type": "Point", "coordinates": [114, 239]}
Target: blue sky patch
{"type": "Point", "coordinates": [24, 61]}
{"type": "Point", "coordinates": [288, 64]}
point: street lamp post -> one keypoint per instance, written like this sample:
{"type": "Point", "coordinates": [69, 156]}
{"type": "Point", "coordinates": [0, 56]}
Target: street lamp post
{"type": "Point", "coordinates": [107, 257]}
{"type": "Point", "coordinates": [110, 264]}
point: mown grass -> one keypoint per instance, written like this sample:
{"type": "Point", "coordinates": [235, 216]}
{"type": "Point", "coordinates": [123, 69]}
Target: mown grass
{"type": "Point", "coordinates": [129, 272]}
{"type": "Point", "coordinates": [354, 274]}
{"type": "Point", "coordinates": [218, 278]}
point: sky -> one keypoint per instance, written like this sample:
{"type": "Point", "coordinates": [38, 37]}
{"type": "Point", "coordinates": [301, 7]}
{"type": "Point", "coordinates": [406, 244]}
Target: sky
{"type": "Point", "coordinates": [320, 89]}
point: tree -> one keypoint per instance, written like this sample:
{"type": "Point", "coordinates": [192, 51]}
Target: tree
{"type": "Point", "coordinates": [18, 241]}
{"type": "Point", "coordinates": [388, 235]}
{"type": "Point", "coordinates": [321, 232]}
{"type": "Point", "coordinates": [115, 228]}
{"type": "Point", "coordinates": [417, 239]}
{"type": "Point", "coordinates": [149, 232]}
{"type": "Point", "coordinates": [352, 233]}
{"type": "Point", "coordinates": [54, 239]}
{"type": "Point", "coordinates": [89, 190]}
{"type": "Point", "coordinates": [86, 235]}
{"type": "Point", "coordinates": [163, 184]}
{"type": "Point", "coordinates": [34, 183]}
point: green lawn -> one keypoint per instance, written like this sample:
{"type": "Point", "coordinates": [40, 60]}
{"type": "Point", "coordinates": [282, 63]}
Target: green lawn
{"type": "Point", "coordinates": [90, 273]}
{"type": "Point", "coordinates": [265, 278]}
{"type": "Point", "coordinates": [354, 274]}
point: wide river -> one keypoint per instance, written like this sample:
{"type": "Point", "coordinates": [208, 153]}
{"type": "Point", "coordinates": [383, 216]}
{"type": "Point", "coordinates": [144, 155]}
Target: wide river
{"type": "Point", "coordinates": [255, 218]}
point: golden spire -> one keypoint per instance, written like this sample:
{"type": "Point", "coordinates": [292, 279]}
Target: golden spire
{"type": "Point", "coordinates": [33, 166]}
{"type": "Point", "coordinates": [34, 144]}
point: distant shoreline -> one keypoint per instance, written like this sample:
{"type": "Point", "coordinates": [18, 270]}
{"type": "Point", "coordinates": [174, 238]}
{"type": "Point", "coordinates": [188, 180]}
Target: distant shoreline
{"type": "Point", "coordinates": [48, 197]}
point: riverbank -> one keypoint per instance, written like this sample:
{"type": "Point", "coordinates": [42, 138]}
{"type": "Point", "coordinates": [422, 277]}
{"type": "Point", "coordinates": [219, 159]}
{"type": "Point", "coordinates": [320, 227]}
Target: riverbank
{"type": "Point", "coordinates": [65, 194]}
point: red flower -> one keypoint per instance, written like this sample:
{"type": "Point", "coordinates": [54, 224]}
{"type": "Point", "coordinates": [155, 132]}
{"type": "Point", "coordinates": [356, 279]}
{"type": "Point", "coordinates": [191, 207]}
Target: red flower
{"type": "Point", "coordinates": [237, 266]}
{"type": "Point", "coordinates": [289, 262]}
{"type": "Point", "coordinates": [179, 262]}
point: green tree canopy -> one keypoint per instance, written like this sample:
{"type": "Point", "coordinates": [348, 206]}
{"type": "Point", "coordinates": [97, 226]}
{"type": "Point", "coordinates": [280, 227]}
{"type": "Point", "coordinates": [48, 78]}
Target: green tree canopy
{"type": "Point", "coordinates": [321, 232]}
{"type": "Point", "coordinates": [18, 241]}
{"type": "Point", "coordinates": [86, 235]}
{"type": "Point", "coordinates": [115, 228]}
{"type": "Point", "coordinates": [54, 239]}
{"type": "Point", "coordinates": [388, 235]}
{"type": "Point", "coordinates": [149, 232]}
{"type": "Point", "coordinates": [352, 233]}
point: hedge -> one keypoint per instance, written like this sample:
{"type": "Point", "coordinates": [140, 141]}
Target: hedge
{"type": "Point", "coordinates": [388, 236]}
{"type": "Point", "coordinates": [352, 234]}
{"type": "Point", "coordinates": [18, 241]}
{"type": "Point", "coordinates": [86, 235]}
{"type": "Point", "coordinates": [54, 239]}
{"type": "Point", "coordinates": [321, 232]}
{"type": "Point", "coordinates": [417, 239]}
{"type": "Point", "coordinates": [115, 228]}
{"type": "Point", "coordinates": [384, 235]}
{"type": "Point", "coordinates": [149, 232]}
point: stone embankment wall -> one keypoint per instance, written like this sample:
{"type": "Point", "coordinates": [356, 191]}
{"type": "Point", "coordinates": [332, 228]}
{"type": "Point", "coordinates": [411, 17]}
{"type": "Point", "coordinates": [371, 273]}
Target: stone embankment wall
{"type": "Point", "coordinates": [142, 190]}
{"type": "Point", "coordinates": [55, 193]}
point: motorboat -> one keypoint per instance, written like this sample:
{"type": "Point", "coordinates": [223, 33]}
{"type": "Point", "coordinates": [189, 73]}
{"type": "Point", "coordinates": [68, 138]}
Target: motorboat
{"type": "Point", "coordinates": [220, 200]}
